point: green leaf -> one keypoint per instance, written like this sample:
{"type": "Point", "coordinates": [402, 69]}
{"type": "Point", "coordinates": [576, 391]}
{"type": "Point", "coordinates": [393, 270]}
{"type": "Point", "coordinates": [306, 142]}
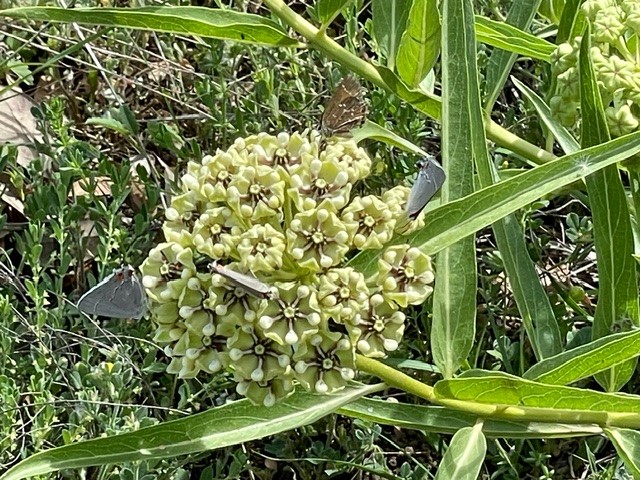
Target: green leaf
{"type": "Point", "coordinates": [540, 402]}
{"type": "Point", "coordinates": [454, 298]}
{"type": "Point", "coordinates": [230, 424]}
{"type": "Point", "coordinates": [205, 22]}
{"type": "Point", "coordinates": [374, 131]}
{"type": "Point", "coordinates": [420, 44]}
{"type": "Point", "coordinates": [572, 22]}
{"type": "Point", "coordinates": [564, 137]}
{"type": "Point", "coordinates": [389, 20]}
{"type": "Point", "coordinates": [450, 222]}
{"type": "Point", "coordinates": [465, 455]}
{"type": "Point", "coordinates": [613, 236]}
{"type": "Point", "coordinates": [531, 297]}
{"type": "Point", "coordinates": [627, 444]}
{"type": "Point", "coordinates": [586, 360]}
{"type": "Point", "coordinates": [436, 419]}
{"type": "Point", "coordinates": [327, 10]}
{"type": "Point", "coordinates": [520, 16]}
{"type": "Point", "coordinates": [512, 39]}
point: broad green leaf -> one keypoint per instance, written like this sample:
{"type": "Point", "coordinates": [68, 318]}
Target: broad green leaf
{"type": "Point", "coordinates": [512, 39]}
{"type": "Point", "coordinates": [327, 10]}
{"type": "Point", "coordinates": [463, 459]}
{"type": "Point", "coordinates": [586, 360]}
{"type": "Point", "coordinates": [540, 402]}
{"type": "Point", "coordinates": [552, 9]}
{"type": "Point", "coordinates": [376, 132]}
{"type": "Point", "coordinates": [431, 418]}
{"type": "Point", "coordinates": [204, 22]}
{"type": "Point", "coordinates": [418, 99]}
{"type": "Point", "coordinates": [572, 22]}
{"type": "Point", "coordinates": [564, 137]}
{"type": "Point", "coordinates": [420, 43]}
{"type": "Point", "coordinates": [613, 236]}
{"type": "Point", "coordinates": [389, 20]}
{"type": "Point", "coordinates": [627, 444]}
{"type": "Point", "coordinates": [216, 428]}
{"type": "Point", "coordinates": [531, 297]}
{"type": "Point", "coordinates": [450, 222]}
{"type": "Point", "coordinates": [454, 298]}
{"type": "Point", "coordinates": [500, 62]}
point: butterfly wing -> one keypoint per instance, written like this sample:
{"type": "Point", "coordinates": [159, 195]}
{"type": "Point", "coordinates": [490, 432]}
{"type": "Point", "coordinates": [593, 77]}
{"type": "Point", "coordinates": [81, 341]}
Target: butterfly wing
{"type": "Point", "coordinates": [345, 110]}
{"type": "Point", "coordinates": [429, 181]}
{"type": "Point", "coordinates": [120, 295]}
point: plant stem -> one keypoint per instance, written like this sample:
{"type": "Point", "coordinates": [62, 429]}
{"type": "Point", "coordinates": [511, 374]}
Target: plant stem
{"type": "Point", "coordinates": [386, 79]}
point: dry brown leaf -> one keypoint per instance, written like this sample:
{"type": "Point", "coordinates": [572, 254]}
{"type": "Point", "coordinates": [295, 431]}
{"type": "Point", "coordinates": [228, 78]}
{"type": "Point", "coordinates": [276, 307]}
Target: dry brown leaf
{"type": "Point", "coordinates": [18, 125]}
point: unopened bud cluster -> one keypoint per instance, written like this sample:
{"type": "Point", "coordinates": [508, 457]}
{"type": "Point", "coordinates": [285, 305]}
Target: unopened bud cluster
{"type": "Point", "coordinates": [614, 23]}
{"type": "Point", "coordinates": [281, 209]}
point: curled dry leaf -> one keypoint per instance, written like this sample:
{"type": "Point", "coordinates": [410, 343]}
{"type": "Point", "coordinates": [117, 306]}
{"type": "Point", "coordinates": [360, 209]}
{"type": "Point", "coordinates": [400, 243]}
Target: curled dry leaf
{"type": "Point", "coordinates": [18, 126]}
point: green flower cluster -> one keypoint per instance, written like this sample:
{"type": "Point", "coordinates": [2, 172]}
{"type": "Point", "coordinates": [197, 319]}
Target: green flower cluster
{"type": "Point", "coordinates": [615, 25]}
{"type": "Point", "coordinates": [280, 209]}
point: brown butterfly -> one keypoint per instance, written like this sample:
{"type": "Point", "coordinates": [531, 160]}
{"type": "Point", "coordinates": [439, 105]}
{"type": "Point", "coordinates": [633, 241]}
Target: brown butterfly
{"type": "Point", "coordinates": [345, 109]}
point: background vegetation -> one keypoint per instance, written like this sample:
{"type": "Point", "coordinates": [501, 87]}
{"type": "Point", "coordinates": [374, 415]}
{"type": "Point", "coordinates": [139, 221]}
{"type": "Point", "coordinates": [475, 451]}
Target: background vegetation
{"type": "Point", "coordinates": [118, 113]}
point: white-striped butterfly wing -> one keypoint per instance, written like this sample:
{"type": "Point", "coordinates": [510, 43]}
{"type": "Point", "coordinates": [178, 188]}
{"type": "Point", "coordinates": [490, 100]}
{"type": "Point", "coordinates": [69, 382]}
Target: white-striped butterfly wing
{"type": "Point", "coordinates": [248, 283]}
{"type": "Point", "coordinates": [430, 179]}
{"type": "Point", "coordinates": [120, 295]}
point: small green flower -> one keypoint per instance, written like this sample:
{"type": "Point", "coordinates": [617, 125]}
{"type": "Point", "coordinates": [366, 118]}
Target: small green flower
{"type": "Point", "coordinates": [266, 393]}
{"type": "Point", "coordinates": [231, 302]}
{"type": "Point", "coordinates": [292, 316]}
{"type": "Point", "coordinates": [257, 358]}
{"type": "Point", "coordinates": [167, 271]}
{"type": "Point", "coordinates": [218, 171]}
{"type": "Point", "coordinates": [405, 275]}
{"type": "Point", "coordinates": [216, 232]}
{"type": "Point", "coordinates": [615, 73]}
{"type": "Point", "coordinates": [325, 363]}
{"type": "Point", "coordinates": [379, 328]}
{"type": "Point", "coordinates": [181, 216]}
{"type": "Point", "coordinates": [608, 25]}
{"type": "Point", "coordinates": [343, 294]}
{"type": "Point", "coordinates": [261, 249]}
{"type": "Point", "coordinates": [621, 121]}
{"type": "Point", "coordinates": [317, 239]}
{"type": "Point", "coordinates": [375, 220]}
{"type": "Point", "coordinates": [352, 159]}
{"type": "Point", "coordinates": [257, 193]}
{"type": "Point", "coordinates": [318, 181]}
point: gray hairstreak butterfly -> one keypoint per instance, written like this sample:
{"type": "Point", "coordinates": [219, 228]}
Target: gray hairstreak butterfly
{"type": "Point", "coordinates": [430, 179]}
{"type": "Point", "coordinates": [120, 295]}
{"type": "Point", "coordinates": [345, 110]}
{"type": "Point", "coordinates": [249, 283]}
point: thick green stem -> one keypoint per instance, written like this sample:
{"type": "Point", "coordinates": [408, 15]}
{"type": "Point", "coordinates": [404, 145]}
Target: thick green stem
{"type": "Point", "coordinates": [401, 381]}
{"type": "Point", "coordinates": [386, 79]}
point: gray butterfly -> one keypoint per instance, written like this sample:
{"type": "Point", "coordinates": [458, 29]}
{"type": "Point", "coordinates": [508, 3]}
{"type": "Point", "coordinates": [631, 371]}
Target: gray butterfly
{"type": "Point", "coordinates": [345, 110]}
{"type": "Point", "coordinates": [430, 179]}
{"type": "Point", "coordinates": [120, 295]}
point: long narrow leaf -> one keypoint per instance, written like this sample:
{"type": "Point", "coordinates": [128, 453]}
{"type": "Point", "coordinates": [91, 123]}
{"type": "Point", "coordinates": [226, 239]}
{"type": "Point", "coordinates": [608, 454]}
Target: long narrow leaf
{"type": "Point", "coordinates": [627, 444]}
{"type": "Point", "coordinates": [454, 300]}
{"type": "Point", "coordinates": [430, 418]}
{"type": "Point", "coordinates": [219, 427]}
{"type": "Point", "coordinates": [512, 39]}
{"type": "Point", "coordinates": [205, 22]}
{"type": "Point", "coordinates": [455, 220]}
{"type": "Point", "coordinates": [586, 360]}
{"type": "Point", "coordinates": [617, 285]}
{"type": "Point", "coordinates": [500, 62]}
